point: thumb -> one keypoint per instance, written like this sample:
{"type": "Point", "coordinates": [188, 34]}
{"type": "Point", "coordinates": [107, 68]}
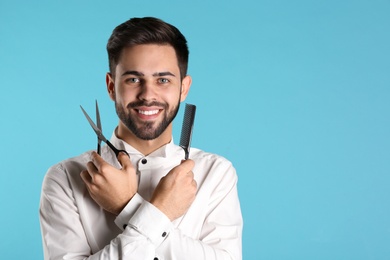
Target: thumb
{"type": "Point", "coordinates": [124, 160]}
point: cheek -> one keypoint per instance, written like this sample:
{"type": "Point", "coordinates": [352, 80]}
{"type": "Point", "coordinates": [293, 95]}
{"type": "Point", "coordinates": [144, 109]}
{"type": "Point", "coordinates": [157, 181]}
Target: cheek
{"type": "Point", "coordinates": [124, 94]}
{"type": "Point", "coordinates": [173, 97]}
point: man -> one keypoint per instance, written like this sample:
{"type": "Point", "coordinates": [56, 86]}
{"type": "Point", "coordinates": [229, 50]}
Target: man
{"type": "Point", "coordinates": [149, 204]}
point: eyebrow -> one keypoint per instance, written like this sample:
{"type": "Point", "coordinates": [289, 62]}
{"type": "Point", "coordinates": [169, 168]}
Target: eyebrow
{"type": "Point", "coordinates": [133, 72]}
{"type": "Point", "coordinates": [162, 74]}
{"type": "Point", "coordinates": [140, 74]}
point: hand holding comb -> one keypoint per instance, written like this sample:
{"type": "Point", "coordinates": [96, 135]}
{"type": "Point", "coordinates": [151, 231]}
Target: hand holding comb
{"type": "Point", "coordinates": [186, 131]}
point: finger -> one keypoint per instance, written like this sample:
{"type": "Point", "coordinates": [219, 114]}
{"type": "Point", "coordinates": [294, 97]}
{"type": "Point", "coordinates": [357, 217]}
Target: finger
{"type": "Point", "coordinates": [97, 160]}
{"type": "Point", "coordinates": [190, 178]}
{"type": "Point", "coordinates": [86, 177]}
{"type": "Point", "coordinates": [190, 174]}
{"type": "Point", "coordinates": [91, 168]}
{"type": "Point", "coordinates": [124, 160]}
{"type": "Point", "coordinates": [195, 184]}
{"type": "Point", "coordinates": [186, 165]}
{"type": "Point", "coordinates": [92, 171]}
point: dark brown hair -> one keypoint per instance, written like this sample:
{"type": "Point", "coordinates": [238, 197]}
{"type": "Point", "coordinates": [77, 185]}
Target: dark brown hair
{"type": "Point", "coordinates": [147, 30]}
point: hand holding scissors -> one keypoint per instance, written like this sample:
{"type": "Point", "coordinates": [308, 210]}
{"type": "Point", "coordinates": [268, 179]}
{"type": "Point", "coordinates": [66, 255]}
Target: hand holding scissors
{"type": "Point", "coordinates": [111, 191]}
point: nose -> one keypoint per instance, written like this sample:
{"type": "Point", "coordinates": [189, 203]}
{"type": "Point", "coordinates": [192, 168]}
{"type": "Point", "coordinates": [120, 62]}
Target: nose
{"type": "Point", "coordinates": [147, 92]}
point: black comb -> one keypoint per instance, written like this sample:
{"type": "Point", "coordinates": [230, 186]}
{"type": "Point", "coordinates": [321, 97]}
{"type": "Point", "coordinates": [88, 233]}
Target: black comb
{"type": "Point", "coordinates": [186, 131]}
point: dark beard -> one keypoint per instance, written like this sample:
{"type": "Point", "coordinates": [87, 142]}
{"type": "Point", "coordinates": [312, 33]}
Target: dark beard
{"type": "Point", "coordinates": [147, 130]}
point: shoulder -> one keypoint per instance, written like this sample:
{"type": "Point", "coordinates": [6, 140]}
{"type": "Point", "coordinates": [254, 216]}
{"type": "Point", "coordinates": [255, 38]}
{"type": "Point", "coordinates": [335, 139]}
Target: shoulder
{"type": "Point", "coordinates": [209, 158]}
{"type": "Point", "coordinates": [213, 165]}
{"type": "Point", "coordinates": [66, 172]}
{"type": "Point", "coordinates": [71, 164]}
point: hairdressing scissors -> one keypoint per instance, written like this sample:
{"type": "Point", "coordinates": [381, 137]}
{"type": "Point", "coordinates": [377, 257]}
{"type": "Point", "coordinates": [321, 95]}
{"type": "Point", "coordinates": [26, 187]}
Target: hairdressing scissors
{"type": "Point", "coordinates": [98, 130]}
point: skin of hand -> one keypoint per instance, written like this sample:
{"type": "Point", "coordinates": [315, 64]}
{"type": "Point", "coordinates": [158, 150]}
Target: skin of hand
{"type": "Point", "coordinates": [110, 187]}
{"type": "Point", "coordinates": [176, 191]}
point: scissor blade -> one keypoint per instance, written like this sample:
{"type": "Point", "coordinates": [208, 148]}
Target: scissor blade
{"type": "Point", "coordinates": [99, 125]}
{"type": "Point", "coordinates": [94, 127]}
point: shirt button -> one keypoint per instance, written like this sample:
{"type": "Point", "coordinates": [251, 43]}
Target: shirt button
{"type": "Point", "coordinates": [144, 161]}
{"type": "Point", "coordinates": [155, 258]}
{"type": "Point", "coordinates": [164, 234]}
{"type": "Point", "coordinates": [124, 226]}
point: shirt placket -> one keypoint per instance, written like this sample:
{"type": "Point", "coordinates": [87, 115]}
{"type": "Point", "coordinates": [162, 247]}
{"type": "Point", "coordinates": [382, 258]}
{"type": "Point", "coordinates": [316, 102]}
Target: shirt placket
{"type": "Point", "coordinates": [144, 166]}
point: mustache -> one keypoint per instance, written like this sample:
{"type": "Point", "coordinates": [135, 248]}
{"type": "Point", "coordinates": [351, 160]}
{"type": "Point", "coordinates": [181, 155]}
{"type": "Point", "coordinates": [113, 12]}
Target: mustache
{"type": "Point", "coordinates": [146, 104]}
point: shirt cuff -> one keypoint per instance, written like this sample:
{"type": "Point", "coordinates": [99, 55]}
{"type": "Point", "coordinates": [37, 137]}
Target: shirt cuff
{"type": "Point", "coordinates": [123, 218]}
{"type": "Point", "coordinates": [152, 223]}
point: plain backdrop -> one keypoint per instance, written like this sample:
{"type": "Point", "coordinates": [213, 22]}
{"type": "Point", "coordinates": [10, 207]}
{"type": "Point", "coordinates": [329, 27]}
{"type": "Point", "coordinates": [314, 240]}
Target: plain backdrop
{"type": "Point", "coordinates": [295, 93]}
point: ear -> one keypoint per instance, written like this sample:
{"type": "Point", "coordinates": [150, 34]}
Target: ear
{"type": "Point", "coordinates": [185, 87]}
{"type": "Point", "coordinates": [110, 86]}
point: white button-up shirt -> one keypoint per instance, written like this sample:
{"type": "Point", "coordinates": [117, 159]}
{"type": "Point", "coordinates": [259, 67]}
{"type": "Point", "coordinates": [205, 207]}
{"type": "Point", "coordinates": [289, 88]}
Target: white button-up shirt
{"type": "Point", "coordinates": [74, 226]}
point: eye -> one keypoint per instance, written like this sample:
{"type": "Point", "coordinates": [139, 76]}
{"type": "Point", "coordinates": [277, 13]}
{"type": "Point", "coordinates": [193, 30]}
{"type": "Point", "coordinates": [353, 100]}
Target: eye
{"type": "Point", "coordinates": [163, 80]}
{"type": "Point", "coordinates": [132, 80]}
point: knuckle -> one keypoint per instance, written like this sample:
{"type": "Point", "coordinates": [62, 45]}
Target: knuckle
{"type": "Point", "coordinates": [98, 179]}
{"type": "Point", "coordinates": [190, 163]}
{"type": "Point", "coordinates": [94, 189]}
{"type": "Point", "coordinates": [104, 168]}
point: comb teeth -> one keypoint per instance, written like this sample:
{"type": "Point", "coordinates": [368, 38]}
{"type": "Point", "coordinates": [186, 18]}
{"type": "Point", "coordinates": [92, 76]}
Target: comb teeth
{"type": "Point", "coordinates": [186, 131]}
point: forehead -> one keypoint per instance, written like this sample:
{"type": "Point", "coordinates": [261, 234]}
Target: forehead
{"type": "Point", "coordinates": [147, 57]}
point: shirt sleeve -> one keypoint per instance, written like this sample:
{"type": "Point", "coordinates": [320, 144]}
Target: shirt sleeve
{"type": "Point", "coordinates": [62, 232]}
{"type": "Point", "coordinates": [123, 218]}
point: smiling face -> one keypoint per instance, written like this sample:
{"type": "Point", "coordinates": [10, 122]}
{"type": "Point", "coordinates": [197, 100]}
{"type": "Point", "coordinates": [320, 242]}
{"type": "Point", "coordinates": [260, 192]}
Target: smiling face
{"type": "Point", "coordinates": [147, 90]}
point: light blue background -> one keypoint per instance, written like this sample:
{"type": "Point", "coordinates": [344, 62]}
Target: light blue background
{"type": "Point", "coordinates": [295, 93]}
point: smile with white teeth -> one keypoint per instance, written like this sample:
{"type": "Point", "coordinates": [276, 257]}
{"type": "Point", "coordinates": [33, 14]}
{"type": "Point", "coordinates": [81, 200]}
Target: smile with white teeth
{"type": "Point", "coordinates": [148, 112]}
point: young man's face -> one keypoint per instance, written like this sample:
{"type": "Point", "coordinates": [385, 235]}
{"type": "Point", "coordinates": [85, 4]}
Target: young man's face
{"type": "Point", "coordinates": [147, 89]}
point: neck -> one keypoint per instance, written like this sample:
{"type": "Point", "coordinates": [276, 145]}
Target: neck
{"type": "Point", "coordinates": [146, 147]}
